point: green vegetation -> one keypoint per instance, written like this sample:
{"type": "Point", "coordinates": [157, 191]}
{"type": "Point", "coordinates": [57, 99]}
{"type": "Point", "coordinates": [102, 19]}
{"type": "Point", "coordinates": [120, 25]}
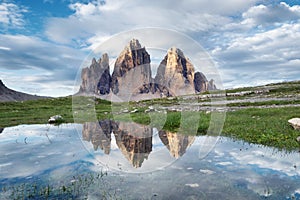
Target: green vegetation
{"type": "Point", "coordinates": [76, 188]}
{"type": "Point", "coordinates": [261, 125]}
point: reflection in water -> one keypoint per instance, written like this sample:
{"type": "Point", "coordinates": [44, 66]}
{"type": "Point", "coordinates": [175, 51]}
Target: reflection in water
{"type": "Point", "coordinates": [176, 143]}
{"type": "Point", "coordinates": [133, 140]}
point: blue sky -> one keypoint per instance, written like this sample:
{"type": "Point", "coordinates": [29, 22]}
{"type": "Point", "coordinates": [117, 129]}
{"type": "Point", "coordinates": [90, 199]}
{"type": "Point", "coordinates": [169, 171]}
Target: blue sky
{"type": "Point", "coordinates": [44, 42]}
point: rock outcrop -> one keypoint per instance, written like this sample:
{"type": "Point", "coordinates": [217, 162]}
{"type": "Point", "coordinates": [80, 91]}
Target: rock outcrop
{"type": "Point", "coordinates": [7, 94]}
{"type": "Point", "coordinates": [175, 74]}
{"type": "Point", "coordinates": [96, 79]}
{"type": "Point", "coordinates": [176, 143]}
{"type": "Point", "coordinates": [134, 141]}
{"type": "Point", "coordinates": [99, 134]}
{"type": "Point", "coordinates": [200, 82]}
{"type": "Point", "coordinates": [132, 77]}
{"type": "Point", "coordinates": [132, 72]}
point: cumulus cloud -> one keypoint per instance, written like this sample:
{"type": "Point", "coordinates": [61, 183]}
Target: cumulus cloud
{"type": "Point", "coordinates": [265, 15]}
{"type": "Point", "coordinates": [11, 15]}
{"type": "Point", "coordinates": [254, 57]}
{"type": "Point", "coordinates": [101, 19]}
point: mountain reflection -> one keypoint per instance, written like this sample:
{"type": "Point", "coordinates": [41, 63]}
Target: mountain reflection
{"type": "Point", "coordinates": [133, 140]}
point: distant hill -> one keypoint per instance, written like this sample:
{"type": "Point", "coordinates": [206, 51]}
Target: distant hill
{"type": "Point", "coordinates": [7, 94]}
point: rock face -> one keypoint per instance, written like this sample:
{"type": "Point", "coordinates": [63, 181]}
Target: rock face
{"type": "Point", "coordinates": [200, 82]}
{"type": "Point", "coordinates": [132, 76]}
{"type": "Point", "coordinates": [295, 122]}
{"type": "Point", "coordinates": [7, 94]}
{"type": "Point", "coordinates": [134, 141]}
{"type": "Point", "coordinates": [132, 72]}
{"type": "Point", "coordinates": [99, 134]}
{"type": "Point", "coordinates": [96, 79]}
{"type": "Point", "coordinates": [175, 74]}
{"type": "Point", "coordinates": [176, 143]}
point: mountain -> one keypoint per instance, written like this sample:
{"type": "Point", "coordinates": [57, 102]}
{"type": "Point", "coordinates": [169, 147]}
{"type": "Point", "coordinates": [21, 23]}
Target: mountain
{"type": "Point", "coordinates": [7, 94]}
{"type": "Point", "coordinates": [135, 141]}
{"type": "Point", "coordinates": [177, 144]}
{"type": "Point", "coordinates": [132, 76]}
{"type": "Point", "coordinates": [96, 79]}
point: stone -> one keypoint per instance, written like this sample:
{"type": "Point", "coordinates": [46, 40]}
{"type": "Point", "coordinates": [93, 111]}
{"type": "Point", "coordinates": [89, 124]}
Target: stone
{"type": "Point", "coordinates": [176, 143]}
{"type": "Point", "coordinates": [55, 119]}
{"type": "Point", "coordinates": [295, 122]}
{"type": "Point", "coordinates": [96, 79]}
{"type": "Point", "coordinates": [132, 72]}
{"type": "Point", "coordinates": [298, 139]}
{"type": "Point", "coordinates": [200, 82]}
{"type": "Point", "coordinates": [175, 74]}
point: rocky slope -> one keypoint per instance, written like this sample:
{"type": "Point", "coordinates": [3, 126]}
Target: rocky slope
{"type": "Point", "coordinates": [132, 76]}
{"type": "Point", "coordinates": [7, 94]}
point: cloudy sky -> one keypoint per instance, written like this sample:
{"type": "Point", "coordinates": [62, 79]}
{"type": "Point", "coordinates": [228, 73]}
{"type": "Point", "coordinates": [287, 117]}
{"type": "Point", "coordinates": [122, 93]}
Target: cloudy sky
{"type": "Point", "coordinates": [44, 42]}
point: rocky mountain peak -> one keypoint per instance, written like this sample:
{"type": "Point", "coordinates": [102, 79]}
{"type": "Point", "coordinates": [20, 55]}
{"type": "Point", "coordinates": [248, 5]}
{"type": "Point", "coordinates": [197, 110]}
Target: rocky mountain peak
{"type": "Point", "coordinates": [132, 78]}
{"type": "Point", "coordinates": [134, 44]}
{"type": "Point", "coordinates": [132, 70]}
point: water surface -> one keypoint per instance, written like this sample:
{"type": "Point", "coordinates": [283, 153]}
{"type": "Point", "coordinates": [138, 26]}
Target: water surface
{"type": "Point", "coordinates": [142, 163]}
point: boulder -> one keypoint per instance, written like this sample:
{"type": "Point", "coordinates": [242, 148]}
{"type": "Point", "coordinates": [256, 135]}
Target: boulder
{"type": "Point", "coordinates": [55, 119]}
{"type": "Point", "coordinates": [295, 122]}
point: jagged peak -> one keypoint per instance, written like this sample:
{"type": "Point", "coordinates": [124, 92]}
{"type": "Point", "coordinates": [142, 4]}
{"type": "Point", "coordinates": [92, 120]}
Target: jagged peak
{"type": "Point", "coordinates": [177, 51]}
{"type": "Point", "coordinates": [134, 44]}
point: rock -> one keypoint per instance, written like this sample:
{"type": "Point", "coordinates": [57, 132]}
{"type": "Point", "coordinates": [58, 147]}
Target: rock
{"type": "Point", "coordinates": [175, 74]}
{"type": "Point", "coordinates": [295, 122]}
{"type": "Point", "coordinates": [99, 134]}
{"type": "Point", "coordinates": [132, 72]}
{"type": "Point", "coordinates": [200, 82]}
{"type": "Point", "coordinates": [298, 139]}
{"type": "Point", "coordinates": [1, 130]}
{"type": "Point", "coordinates": [211, 85]}
{"type": "Point", "coordinates": [104, 83]}
{"type": "Point", "coordinates": [55, 119]}
{"type": "Point", "coordinates": [96, 79]}
{"type": "Point", "coordinates": [176, 143]}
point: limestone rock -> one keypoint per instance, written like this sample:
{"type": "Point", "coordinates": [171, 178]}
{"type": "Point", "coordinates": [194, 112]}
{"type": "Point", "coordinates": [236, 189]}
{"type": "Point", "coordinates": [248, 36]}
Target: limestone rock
{"type": "Point", "coordinates": [96, 79]}
{"type": "Point", "coordinates": [132, 72]}
{"type": "Point", "coordinates": [99, 134]}
{"type": "Point", "coordinates": [200, 82]}
{"type": "Point", "coordinates": [175, 74]}
{"type": "Point", "coordinates": [176, 143]}
{"type": "Point", "coordinates": [211, 85]}
{"type": "Point", "coordinates": [55, 119]}
{"type": "Point", "coordinates": [295, 122]}
{"type": "Point", "coordinates": [134, 141]}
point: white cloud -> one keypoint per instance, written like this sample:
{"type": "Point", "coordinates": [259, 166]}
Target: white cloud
{"type": "Point", "coordinates": [265, 15]}
{"type": "Point", "coordinates": [11, 15]}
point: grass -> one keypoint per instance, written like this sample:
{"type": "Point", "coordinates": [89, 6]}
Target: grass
{"type": "Point", "coordinates": [266, 126]}
{"type": "Point", "coordinates": [77, 188]}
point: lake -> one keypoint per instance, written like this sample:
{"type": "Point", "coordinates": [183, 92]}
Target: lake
{"type": "Point", "coordinates": [125, 160]}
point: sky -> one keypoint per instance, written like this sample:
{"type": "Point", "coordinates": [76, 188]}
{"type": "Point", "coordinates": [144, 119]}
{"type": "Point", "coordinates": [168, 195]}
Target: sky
{"type": "Point", "coordinates": [43, 43]}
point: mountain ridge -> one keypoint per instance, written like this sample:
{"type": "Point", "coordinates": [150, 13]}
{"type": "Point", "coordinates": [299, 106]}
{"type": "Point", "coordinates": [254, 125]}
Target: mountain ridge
{"type": "Point", "coordinates": [7, 94]}
{"type": "Point", "coordinates": [131, 78]}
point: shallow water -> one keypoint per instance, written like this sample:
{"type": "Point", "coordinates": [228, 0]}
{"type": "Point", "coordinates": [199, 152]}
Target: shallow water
{"type": "Point", "coordinates": [141, 163]}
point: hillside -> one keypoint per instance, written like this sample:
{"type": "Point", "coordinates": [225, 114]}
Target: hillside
{"type": "Point", "coordinates": [7, 94]}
